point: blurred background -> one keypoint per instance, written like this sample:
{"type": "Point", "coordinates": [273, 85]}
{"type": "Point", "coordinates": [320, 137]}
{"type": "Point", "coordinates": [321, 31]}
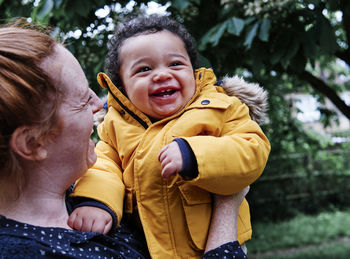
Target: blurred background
{"type": "Point", "coordinates": [298, 50]}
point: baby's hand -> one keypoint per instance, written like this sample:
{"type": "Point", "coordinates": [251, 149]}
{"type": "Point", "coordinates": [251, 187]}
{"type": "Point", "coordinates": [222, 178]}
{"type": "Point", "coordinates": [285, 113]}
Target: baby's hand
{"type": "Point", "coordinates": [171, 160]}
{"type": "Point", "coordinates": [90, 219]}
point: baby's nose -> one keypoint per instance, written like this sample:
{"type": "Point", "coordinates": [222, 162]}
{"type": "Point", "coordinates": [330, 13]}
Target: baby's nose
{"type": "Point", "coordinates": [162, 75]}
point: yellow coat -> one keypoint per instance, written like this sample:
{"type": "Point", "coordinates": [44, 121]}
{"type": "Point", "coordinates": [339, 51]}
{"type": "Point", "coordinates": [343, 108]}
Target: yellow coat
{"type": "Point", "coordinates": [231, 152]}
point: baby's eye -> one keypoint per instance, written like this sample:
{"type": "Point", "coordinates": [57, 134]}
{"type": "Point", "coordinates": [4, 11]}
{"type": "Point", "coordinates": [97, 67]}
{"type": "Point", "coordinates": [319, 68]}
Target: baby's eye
{"type": "Point", "coordinates": [143, 69]}
{"type": "Point", "coordinates": [176, 63]}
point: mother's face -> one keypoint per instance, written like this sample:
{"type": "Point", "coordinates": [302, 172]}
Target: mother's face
{"type": "Point", "coordinates": [72, 149]}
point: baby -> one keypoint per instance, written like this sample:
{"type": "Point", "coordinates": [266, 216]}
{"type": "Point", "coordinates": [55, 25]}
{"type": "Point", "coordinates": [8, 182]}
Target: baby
{"type": "Point", "coordinates": [171, 138]}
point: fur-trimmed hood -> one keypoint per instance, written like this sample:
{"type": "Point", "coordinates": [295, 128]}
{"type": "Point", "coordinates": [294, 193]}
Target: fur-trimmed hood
{"type": "Point", "coordinates": [253, 95]}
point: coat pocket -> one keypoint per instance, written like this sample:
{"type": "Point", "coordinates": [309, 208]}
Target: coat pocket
{"type": "Point", "coordinates": [197, 204]}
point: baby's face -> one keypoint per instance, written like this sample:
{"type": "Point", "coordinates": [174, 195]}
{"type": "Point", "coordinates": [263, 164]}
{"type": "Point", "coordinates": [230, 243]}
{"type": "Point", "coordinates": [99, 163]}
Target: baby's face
{"type": "Point", "coordinates": [157, 73]}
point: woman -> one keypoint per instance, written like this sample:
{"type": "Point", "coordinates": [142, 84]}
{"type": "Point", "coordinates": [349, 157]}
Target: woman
{"type": "Point", "coordinates": [46, 122]}
{"type": "Point", "coordinates": [46, 119]}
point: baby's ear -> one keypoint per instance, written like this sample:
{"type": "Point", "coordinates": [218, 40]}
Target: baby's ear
{"type": "Point", "coordinates": [26, 143]}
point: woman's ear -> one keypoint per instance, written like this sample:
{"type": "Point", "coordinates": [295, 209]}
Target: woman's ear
{"type": "Point", "coordinates": [26, 143]}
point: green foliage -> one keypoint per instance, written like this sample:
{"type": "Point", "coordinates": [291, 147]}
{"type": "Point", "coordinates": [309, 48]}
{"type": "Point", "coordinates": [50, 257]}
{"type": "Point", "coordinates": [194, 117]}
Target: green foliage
{"type": "Point", "coordinates": [332, 249]}
{"type": "Point", "coordinates": [283, 36]}
{"type": "Point", "coordinates": [12, 9]}
{"type": "Point", "coordinates": [181, 5]}
{"type": "Point", "coordinates": [256, 35]}
{"type": "Point", "coordinates": [264, 29]}
{"type": "Point", "coordinates": [272, 42]}
{"type": "Point", "coordinates": [213, 35]}
{"type": "Point", "coordinates": [42, 11]}
{"type": "Point", "coordinates": [251, 35]}
{"type": "Point", "coordinates": [235, 26]}
{"type": "Point", "coordinates": [309, 182]}
{"type": "Point", "coordinates": [299, 231]}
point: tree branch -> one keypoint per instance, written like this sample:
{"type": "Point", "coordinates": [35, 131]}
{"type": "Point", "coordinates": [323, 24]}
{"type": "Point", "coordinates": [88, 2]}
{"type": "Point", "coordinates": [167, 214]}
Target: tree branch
{"type": "Point", "coordinates": [322, 87]}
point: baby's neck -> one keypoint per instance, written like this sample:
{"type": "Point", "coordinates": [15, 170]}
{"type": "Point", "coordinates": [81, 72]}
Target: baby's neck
{"type": "Point", "coordinates": [153, 120]}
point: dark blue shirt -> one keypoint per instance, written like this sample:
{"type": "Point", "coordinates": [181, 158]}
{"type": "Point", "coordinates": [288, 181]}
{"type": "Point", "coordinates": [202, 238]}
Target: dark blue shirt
{"type": "Point", "coordinates": [20, 240]}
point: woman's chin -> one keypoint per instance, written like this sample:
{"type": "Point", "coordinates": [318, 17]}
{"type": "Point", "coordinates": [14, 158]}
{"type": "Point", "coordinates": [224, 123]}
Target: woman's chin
{"type": "Point", "coordinates": [92, 161]}
{"type": "Point", "coordinates": [92, 157]}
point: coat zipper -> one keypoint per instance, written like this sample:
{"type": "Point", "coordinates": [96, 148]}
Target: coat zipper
{"type": "Point", "coordinates": [137, 118]}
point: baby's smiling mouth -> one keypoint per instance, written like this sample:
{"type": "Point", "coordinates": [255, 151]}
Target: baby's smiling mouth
{"type": "Point", "coordinates": [164, 93]}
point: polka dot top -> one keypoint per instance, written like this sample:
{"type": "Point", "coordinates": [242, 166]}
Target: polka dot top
{"type": "Point", "coordinates": [20, 240]}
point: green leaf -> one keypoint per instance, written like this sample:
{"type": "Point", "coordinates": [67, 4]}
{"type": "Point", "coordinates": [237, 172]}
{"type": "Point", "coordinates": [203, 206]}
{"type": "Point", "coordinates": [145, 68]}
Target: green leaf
{"type": "Point", "coordinates": [309, 45]}
{"type": "Point", "coordinates": [251, 35]}
{"type": "Point", "coordinates": [203, 61]}
{"type": "Point", "coordinates": [264, 30]}
{"type": "Point", "coordinates": [1, 1]}
{"type": "Point", "coordinates": [285, 63]}
{"type": "Point", "coordinates": [279, 47]}
{"type": "Point", "coordinates": [80, 7]}
{"type": "Point", "coordinates": [333, 5]}
{"type": "Point", "coordinates": [249, 20]}
{"type": "Point", "coordinates": [44, 9]}
{"type": "Point", "coordinates": [298, 63]}
{"type": "Point", "coordinates": [235, 26]}
{"type": "Point", "coordinates": [58, 3]}
{"type": "Point", "coordinates": [292, 48]}
{"type": "Point", "coordinates": [203, 42]}
{"type": "Point", "coordinates": [257, 67]}
{"type": "Point", "coordinates": [219, 32]}
{"type": "Point", "coordinates": [327, 36]}
{"type": "Point", "coordinates": [180, 5]}
{"type": "Point", "coordinates": [212, 36]}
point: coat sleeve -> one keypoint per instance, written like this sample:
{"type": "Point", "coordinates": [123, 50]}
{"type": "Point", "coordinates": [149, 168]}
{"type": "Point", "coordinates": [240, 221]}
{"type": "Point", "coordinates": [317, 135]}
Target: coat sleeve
{"type": "Point", "coordinates": [233, 160]}
{"type": "Point", "coordinates": [103, 182]}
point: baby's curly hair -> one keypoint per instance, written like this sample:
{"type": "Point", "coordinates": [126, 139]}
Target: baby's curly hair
{"type": "Point", "coordinates": [139, 26]}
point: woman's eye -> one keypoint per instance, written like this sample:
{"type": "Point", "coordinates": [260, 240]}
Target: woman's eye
{"type": "Point", "coordinates": [143, 69]}
{"type": "Point", "coordinates": [88, 101]}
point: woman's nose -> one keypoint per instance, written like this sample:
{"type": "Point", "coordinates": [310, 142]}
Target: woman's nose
{"type": "Point", "coordinates": [96, 104]}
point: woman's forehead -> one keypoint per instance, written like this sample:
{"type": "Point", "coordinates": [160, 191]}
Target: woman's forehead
{"type": "Point", "coordinates": [65, 71]}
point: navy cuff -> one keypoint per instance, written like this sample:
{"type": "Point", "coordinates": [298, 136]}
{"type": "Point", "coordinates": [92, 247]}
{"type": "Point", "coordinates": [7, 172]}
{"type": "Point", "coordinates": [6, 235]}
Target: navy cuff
{"type": "Point", "coordinates": [80, 202]}
{"type": "Point", "coordinates": [189, 167]}
{"type": "Point", "coordinates": [69, 200]}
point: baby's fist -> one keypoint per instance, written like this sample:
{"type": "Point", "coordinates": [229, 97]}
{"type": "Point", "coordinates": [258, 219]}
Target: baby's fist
{"type": "Point", "coordinates": [171, 160]}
